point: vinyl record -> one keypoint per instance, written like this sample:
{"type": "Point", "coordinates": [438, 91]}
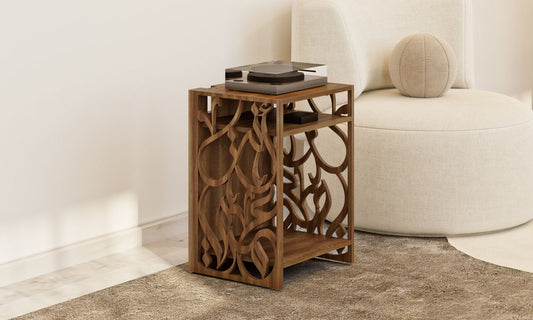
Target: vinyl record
{"type": "Point", "coordinates": [275, 78]}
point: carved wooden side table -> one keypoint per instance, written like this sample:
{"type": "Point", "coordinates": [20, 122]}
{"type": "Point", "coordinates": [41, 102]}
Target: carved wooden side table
{"type": "Point", "coordinates": [252, 209]}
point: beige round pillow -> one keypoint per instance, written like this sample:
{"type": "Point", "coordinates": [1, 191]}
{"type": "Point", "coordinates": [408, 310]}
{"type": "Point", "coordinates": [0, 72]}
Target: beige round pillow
{"type": "Point", "coordinates": [423, 66]}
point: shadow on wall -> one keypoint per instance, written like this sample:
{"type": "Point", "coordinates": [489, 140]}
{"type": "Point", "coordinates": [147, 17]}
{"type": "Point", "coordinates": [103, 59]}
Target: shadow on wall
{"type": "Point", "coordinates": [67, 163]}
{"type": "Point", "coordinates": [57, 228]}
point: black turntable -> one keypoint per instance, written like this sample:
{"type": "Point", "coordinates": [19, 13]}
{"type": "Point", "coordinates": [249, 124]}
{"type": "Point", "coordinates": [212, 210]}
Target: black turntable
{"type": "Point", "coordinates": [276, 77]}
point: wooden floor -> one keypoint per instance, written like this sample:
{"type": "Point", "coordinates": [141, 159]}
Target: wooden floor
{"type": "Point", "coordinates": [59, 286]}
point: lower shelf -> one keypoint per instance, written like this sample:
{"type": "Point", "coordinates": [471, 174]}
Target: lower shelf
{"type": "Point", "coordinates": [299, 246]}
{"type": "Point", "coordinates": [302, 246]}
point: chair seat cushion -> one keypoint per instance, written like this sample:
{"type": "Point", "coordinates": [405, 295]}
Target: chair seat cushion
{"type": "Point", "coordinates": [457, 164]}
{"type": "Point", "coordinates": [457, 110]}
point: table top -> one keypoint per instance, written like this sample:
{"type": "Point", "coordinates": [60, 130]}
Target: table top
{"type": "Point", "coordinates": [220, 91]}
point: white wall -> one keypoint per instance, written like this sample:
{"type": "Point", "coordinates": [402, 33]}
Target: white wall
{"type": "Point", "coordinates": [93, 107]}
{"type": "Point", "coordinates": [503, 47]}
{"type": "Point", "coordinates": [93, 101]}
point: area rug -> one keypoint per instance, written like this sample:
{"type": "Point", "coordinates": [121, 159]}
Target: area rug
{"type": "Point", "coordinates": [511, 248]}
{"type": "Point", "coordinates": [393, 278]}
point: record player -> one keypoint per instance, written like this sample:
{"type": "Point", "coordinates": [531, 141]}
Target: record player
{"type": "Point", "coordinates": [276, 77]}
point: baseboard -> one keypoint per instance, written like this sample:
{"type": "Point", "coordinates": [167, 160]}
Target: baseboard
{"type": "Point", "coordinates": [60, 258]}
{"type": "Point", "coordinates": [167, 228]}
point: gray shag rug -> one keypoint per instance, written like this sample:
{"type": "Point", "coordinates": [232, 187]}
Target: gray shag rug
{"type": "Point", "coordinates": [392, 278]}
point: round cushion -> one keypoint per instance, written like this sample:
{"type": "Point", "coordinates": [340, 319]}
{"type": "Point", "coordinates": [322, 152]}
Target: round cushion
{"type": "Point", "coordinates": [458, 110]}
{"type": "Point", "coordinates": [423, 66]}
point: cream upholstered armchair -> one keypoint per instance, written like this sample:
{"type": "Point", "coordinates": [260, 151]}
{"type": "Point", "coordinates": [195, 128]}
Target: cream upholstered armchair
{"type": "Point", "coordinates": [457, 164]}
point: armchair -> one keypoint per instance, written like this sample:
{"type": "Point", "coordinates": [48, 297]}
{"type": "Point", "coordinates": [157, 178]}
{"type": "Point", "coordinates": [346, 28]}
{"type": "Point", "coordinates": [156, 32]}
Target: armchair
{"type": "Point", "coordinates": [457, 164]}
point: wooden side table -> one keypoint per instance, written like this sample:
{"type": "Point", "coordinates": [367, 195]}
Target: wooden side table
{"type": "Point", "coordinates": [252, 211]}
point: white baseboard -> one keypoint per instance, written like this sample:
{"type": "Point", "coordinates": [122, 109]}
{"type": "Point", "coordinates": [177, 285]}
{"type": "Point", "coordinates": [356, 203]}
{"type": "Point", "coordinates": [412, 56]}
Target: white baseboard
{"type": "Point", "coordinates": [60, 258]}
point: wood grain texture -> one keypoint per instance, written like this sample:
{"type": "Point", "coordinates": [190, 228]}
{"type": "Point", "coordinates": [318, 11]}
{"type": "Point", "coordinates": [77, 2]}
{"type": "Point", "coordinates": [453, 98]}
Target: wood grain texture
{"type": "Point", "coordinates": [289, 129]}
{"type": "Point", "coordinates": [302, 246]}
{"type": "Point", "coordinates": [219, 90]}
{"type": "Point", "coordinates": [309, 203]}
{"type": "Point", "coordinates": [237, 193]}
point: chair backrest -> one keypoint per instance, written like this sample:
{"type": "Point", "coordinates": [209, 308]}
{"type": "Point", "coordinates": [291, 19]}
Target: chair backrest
{"type": "Point", "coordinates": [355, 38]}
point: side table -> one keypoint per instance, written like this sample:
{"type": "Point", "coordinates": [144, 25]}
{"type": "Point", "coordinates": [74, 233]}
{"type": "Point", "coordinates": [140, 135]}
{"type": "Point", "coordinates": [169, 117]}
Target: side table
{"type": "Point", "coordinates": [252, 211]}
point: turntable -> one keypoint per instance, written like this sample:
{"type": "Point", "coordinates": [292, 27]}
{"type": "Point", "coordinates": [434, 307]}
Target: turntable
{"type": "Point", "coordinates": [276, 77]}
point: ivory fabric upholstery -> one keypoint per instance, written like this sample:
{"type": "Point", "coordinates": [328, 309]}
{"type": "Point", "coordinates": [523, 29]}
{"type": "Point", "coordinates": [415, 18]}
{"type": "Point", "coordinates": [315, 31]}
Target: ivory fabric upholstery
{"type": "Point", "coordinates": [355, 38]}
{"type": "Point", "coordinates": [437, 177]}
{"type": "Point", "coordinates": [458, 164]}
{"type": "Point", "coordinates": [458, 110]}
{"type": "Point", "coordinates": [423, 66]}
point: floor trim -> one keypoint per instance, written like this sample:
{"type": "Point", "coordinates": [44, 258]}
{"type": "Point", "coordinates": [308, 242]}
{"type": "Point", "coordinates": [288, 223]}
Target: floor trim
{"type": "Point", "coordinates": [83, 251]}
